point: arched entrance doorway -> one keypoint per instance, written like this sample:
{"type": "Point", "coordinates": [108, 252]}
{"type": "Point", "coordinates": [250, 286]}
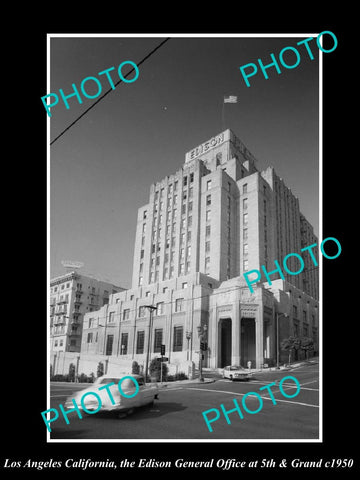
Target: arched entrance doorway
{"type": "Point", "coordinates": [248, 342]}
{"type": "Point", "coordinates": [224, 342]}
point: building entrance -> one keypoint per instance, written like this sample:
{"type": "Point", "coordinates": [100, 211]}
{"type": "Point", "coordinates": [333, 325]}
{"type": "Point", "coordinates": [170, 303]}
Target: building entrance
{"type": "Point", "coordinates": [248, 342]}
{"type": "Point", "coordinates": [224, 342]}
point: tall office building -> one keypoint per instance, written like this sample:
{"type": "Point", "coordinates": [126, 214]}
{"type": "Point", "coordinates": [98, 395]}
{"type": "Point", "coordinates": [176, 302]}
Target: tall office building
{"type": "Point", "coordinates": [204, 226]}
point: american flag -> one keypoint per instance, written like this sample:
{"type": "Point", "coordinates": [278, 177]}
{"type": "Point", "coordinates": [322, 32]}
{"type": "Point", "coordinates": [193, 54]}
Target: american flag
{"type": "Point", "coordinates": [230, 99]}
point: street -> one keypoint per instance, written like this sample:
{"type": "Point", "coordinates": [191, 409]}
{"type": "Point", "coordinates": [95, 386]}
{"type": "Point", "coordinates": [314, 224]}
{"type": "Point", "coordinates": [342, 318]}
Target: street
{"type": "Point", "coordinates": [178, 412]}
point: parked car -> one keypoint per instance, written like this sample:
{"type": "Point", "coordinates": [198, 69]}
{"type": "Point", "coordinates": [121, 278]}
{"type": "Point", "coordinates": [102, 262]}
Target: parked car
{"type": "Point", "coordinates": [121, 404]}
{"type": "Point", "coordinates": [236, 372]}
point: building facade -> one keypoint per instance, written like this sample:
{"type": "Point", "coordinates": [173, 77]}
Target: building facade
{"type": "Point", "coordinates": [71, 296]}
{"type": "Point", "coordinates": [206, 225]}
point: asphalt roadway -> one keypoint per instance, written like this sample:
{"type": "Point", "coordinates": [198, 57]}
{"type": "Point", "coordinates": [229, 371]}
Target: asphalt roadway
{"type": "Point", "coordinates": [177, 414]}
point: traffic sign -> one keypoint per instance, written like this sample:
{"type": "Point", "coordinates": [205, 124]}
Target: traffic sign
{"type": "Point", "coordinates": [162, 359]}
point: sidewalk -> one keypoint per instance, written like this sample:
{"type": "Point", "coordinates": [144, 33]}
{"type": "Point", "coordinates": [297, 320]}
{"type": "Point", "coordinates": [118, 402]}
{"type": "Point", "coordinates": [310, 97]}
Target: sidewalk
{"type": "Point", "coordinates": [218, 372]}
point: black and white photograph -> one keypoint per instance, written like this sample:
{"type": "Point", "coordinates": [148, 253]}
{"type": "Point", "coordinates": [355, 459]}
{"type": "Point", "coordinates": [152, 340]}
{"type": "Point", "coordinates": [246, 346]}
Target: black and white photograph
{"type": "Point", "coordinates": [176, 227]}
{"type": "Point", "coordinates": [191, 247]}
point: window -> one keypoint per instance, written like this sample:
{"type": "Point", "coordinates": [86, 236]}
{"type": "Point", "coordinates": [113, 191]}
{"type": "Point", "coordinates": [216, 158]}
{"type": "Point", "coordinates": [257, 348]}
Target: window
{"type": "Point", "coordinates": [178, 339]}
{"type": "Point", "coordinates": [144, 228]}
{"type": "Point", "coordinates": [245, 218]}
{"type": "Point", "coordinates": [245, 188]}
{"type": "Point", "coordinates": [68, 285]}
{"type": "Point", "coordinates": [140, 341]}
{"type": "Point", "coordinates": [191, 191]}
{"type": "Point", "coordinates": [207, 264]}
{"type": "Point", "coordinates": [124, 343]}
{"type": "Point", "coordinates": [189, 221]}
{"type": "Point", "coordinates": [182, 269]}
{"type": "Point", "coordinates": [185, 285]}
{"type": "Point", "coordinates": [207, 230]}
{"type": "Point", "coordinates": [179, 305]}
{"type": "Point", "coordinates": [304, 316]}
{"type": "Point", "coordinates": [165, 289]}
{"type": "Point", "coordinates": [175, 185]}
{"type": "Point", "coordinates": [89, 337]}
{"type": "Point", "coordinates": [147, 294]}
{"type": "Point", "coordinates": [246, 265]}
{"type": "Point", "coordinates": [207, 246]}
{"type": "Point", "coordinates": [208, 185]}
{"type": "Point", "coordinates": [208, 215]}
{"type": "Point", "coordinates": [144, 214]}
{"type": "Point", "coordinates": [141, 280]}
{"type": "Point", "coordinates": [126, 314]}
{"type": "Point", "coordinates": [158, 334]}
{"type": "Point", "coordinates": [245, 234]}
{"type": "Point", "coordinates": [229, 186]}
{"type": "Point", "coordinates": [245, 248]}
{"type": "Point", "coordinates": [142, 311]}
{"type": "Point", "coordinates": [191, 177]}
{"type": "Point", "coordinates": [208, 200]}
{"type": "Point", "coordinates": [218, 158]}
{"type": "Point", "coordinates": [295, 311]}
{"type": "Point", "coordinates": [56, 343]}
{"type": "Point", "coordinates": [184, 181]}
{"type": "Point", "coordinates": [188, 236]}
{"type": "Point", "coordinates": [190, 205]}
{"type": "Point", "coordinates": [245, 203]}
{"type": "Point", "coordinates": [160, 308]}
{"type": "Point", "coordinates": [111, 317]}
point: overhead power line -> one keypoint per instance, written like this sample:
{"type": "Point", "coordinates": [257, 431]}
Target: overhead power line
{"type": "Point", "coordinates": [110, 90]}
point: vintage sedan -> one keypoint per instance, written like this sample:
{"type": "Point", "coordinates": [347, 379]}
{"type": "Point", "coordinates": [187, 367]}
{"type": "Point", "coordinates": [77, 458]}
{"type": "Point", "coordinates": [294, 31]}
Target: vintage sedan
{"type": "Point", "coordinates": [119, 394]}
{"type": "Point", "coordinates": [236, 372]}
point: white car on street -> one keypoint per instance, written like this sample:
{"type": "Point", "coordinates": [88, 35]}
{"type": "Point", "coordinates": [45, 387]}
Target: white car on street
{"type": "Point", "coordinates": [236, 372]}
{"type": "Point", "coordinates": [120, 394]}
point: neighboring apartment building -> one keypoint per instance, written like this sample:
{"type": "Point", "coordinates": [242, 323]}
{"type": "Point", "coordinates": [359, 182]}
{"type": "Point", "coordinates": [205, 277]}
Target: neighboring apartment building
{"type": "Point", "coordinates": [203, 227]}
{"type": "Point", "coordinates": [71, 296]}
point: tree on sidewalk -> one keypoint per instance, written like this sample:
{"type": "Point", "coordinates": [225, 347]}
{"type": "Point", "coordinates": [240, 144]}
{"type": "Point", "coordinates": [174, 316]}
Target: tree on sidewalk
{"type": "Point", "coordinates": [290, 344]}
{"type": "Point", "coordinates": [306, 345]}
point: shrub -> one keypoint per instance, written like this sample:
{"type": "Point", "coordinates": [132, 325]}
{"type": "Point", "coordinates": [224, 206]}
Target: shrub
{"type": "Point", "coordinates": [135, 368]}
{"type": "Point", "coordinates": [100, 369]}
{"type": "Point", "coordinates": [155, 370]}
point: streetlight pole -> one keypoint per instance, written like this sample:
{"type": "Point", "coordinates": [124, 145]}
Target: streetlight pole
{"type": "Point", "coordinates": [202, 334]}
{"type": "Point", "coordinates": [151, 308]}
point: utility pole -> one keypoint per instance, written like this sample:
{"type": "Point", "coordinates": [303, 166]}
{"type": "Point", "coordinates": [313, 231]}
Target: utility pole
{"type": "Point", "coordinates": [151, 308]}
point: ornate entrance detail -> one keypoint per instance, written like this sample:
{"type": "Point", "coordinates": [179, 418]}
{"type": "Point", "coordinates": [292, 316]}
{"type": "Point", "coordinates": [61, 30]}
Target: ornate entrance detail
{"type": "Point", "coordinates": [224, 342]}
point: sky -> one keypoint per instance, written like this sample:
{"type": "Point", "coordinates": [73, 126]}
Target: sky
{"type": "Point", "coordinates": [102, 167]}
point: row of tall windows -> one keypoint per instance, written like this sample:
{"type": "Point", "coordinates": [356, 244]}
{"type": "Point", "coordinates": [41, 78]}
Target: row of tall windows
{"type": "Point", "coordinates": [186, 207]}
{"type": "Point", "coordinates": [157, 341]}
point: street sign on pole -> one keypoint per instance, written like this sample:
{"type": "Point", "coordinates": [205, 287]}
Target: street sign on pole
{"type": "Point", "coordinates": [162, 359]}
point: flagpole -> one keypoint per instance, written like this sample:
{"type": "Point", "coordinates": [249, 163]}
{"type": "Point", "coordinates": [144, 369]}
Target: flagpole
{"type": "Point", "coordinates": [223, 113]}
